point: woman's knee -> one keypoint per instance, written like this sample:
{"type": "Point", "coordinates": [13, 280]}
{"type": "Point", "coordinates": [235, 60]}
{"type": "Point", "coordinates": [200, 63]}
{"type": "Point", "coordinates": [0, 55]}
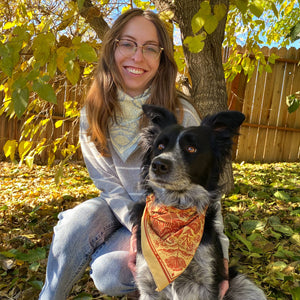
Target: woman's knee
{"type": "Point", "coordinates": [111, 274]}
{"type": "Point", "coordinates": [89, 222]}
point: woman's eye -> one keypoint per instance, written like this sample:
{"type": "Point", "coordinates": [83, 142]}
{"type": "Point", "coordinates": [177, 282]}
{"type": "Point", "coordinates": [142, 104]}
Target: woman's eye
{"type": "Point", "coordinates": [151, 48]}
{"type": "Point", "coordinates": [191, 149]}
{"type": "Point", "coordinates": [161, 147]}
{"type": "Point", "coordinates": [126, 44]}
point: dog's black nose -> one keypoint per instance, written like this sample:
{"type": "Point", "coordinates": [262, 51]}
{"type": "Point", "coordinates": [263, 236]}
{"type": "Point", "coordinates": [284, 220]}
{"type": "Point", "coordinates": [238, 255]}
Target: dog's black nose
{"type": "Point", "coordinates": [161, 166]}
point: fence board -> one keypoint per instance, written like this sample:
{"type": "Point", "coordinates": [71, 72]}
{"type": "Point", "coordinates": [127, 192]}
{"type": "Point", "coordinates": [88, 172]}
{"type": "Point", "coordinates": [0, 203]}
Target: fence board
{"type": "Point", "coordinates": [288, 118]}
{"type": "Point", "coordinates": [272, 147]}
{"type": "Point", "coordinates": [294, 153]}
{"type": "Point", "coordinates": [268, 131]}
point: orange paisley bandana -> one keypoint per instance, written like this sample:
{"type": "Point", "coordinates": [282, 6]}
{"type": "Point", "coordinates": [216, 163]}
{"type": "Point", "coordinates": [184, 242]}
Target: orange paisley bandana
{"type": "Point", "coordinates": [170, 238]}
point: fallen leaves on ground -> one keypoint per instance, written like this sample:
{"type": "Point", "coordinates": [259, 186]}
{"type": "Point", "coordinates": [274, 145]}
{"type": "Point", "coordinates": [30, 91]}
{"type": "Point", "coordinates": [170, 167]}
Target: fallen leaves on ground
{"type": "Point", "coordinates": [262, 219]}
{"type": "Point", "coordinates": [261, 215]}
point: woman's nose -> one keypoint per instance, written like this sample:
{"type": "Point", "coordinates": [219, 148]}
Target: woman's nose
{"type": "Point", "coordinates": [138, 55]}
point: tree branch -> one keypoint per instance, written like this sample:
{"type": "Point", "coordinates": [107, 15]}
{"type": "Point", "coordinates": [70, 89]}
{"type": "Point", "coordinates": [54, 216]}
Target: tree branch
{"type": "Point", "coordinates": [94, 17]}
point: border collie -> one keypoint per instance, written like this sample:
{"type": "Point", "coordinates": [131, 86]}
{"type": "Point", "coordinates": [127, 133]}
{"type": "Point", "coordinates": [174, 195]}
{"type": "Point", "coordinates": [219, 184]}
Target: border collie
{"type": "Point", "coordinates": [181, 168]}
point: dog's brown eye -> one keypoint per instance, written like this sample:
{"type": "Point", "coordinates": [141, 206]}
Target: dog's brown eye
{"type": "Point", "coordinates": [191, 149]}
{"type": "Point", "coordinates": [161, 147]}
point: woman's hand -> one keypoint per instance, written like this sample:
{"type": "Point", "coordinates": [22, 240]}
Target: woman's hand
{"type": "Point", "coordinates": [133, 251]}
{"type": "Point", "coordinates": [224, 285]}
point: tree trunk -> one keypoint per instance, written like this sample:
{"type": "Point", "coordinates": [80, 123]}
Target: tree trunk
{"type": "Point", "coordinates": [205, 68]}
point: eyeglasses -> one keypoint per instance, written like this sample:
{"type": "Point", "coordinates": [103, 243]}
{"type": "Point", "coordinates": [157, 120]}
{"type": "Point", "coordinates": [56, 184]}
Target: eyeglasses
{"type": "Point", "coordinates": [129, 48]}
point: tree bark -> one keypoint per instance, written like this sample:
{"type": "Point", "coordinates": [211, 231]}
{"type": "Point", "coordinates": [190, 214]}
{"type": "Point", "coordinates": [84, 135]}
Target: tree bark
{"type": "Point", "coordinates": [94, 17]}
{"type": "Point", "coordinates": [206, 69]}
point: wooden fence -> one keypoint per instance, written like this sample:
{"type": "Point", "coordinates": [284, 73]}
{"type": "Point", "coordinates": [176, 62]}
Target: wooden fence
{"type": "Point", "coordinates": [269, 133]}
{"type": "Point", "coordinates": [10, 128]}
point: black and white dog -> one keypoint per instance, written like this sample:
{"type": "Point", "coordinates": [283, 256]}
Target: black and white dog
{"type": "Point", "coordinates": [181, 167]}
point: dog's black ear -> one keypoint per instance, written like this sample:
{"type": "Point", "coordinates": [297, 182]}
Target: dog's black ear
{"type": "Point", "coordinates": [159, 116]}
{"type": "Point", "coordinates": [225, 122]}
{"type": "Point", "coordinates": [225, 125]}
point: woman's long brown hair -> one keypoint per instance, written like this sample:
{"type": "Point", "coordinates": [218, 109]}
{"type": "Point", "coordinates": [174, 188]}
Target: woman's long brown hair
{"type": "Point", "coordinates": [101, 101]}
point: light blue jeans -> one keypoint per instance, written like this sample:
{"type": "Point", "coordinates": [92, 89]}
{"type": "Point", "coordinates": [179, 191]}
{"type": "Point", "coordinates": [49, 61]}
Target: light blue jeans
{"type": "Point", "coordinates": [88, 233]}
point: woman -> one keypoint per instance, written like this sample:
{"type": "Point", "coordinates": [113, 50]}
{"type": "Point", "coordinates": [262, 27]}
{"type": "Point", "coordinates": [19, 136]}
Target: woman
{"type": "Point", "coordinates": [136, 67]}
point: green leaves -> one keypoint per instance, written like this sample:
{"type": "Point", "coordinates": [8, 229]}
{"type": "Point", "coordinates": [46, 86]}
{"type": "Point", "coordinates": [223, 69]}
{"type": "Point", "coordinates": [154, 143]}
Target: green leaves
{"type": "Point", "coordinates": [87, 53]}
{"type": "Point", "coordinates": [261, 220]}
{"type": "Point", "coordinates": [238, 62]}
{"type": "Point", "coordinates": [44, 90]}
{"type": "Point", "coordinates": [255, 24]}
{"type": "Point", "coordinates": [179, 58]}
{"type": "Point", "coordinates": [197, 23]}
{"type": "Point", "coordinates": [20, 96]}
{"type": "Point", "coordinates": [9, 51]}
{"type": "Point", "coordinates": [67, 59]}
{"type": "Point", "coordinates": [295, 32]}
{"type": "Point", "coordinates": [33, 50]}
{"type": "Point", "coordinates": [30, 256]}
{"type": "Point", "coordinates": [9, 57]}
{"type": "Point", "coordinates": [10, 149]}
{"type": "Point", "coordinates": [242, 5]}
{"type": "Point", "coordinates": [80, 4]}
{"type": "Point", "coordinates": [195, 43]}
{"type": "Point", "coordinates": [296, 293]}
{"type": "Point", "coordinates": [200, 17]}
{"type": "Point", "coordinates": [250, 226]}
{"type": "Point", "coordinates": [206, 18]}
{"type": "Point", "coordinates": [293, 102]}
{"type": "Point", "coordinates": [84, 296]}
{"type": "Point", "coordinates": [211, 24]}
{"type": "Point", "coordinates": [42, 45]}
{"type": "Point", "coordinates": [282, 195]}
{"type": "Point", "coordinates": [24, 85]}
{"type": "Point", "coordinates": [277, 226]}
{"type": "Point", "coordinates": [257, 7]}
{"type": "Point", "coordinates": [24, 147]}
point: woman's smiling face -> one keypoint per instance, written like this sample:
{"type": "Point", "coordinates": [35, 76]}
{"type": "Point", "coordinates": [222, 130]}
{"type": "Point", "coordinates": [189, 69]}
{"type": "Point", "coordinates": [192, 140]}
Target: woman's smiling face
{"type": "Point", "coordinates": [137, 70]}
